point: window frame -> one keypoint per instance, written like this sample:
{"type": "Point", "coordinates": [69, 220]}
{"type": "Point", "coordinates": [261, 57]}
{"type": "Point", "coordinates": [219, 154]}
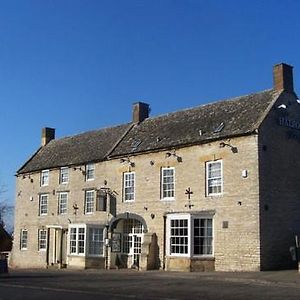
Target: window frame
{"type": "Point", "coordinates": [44, 239]}
{"type": "Point", "coordinates": [64, 177]}
{"type": "Point", "coordinates": [92, 206]}
{"type": "Point", "coordinates": [162, 184]}
{"type": "Point", "coordinates": [90, 169]}
{"type": "Point", "coordinates": [41, 205]}
{"type": "Point", "coordinates": [60, 212]}
{"type": "Point", "coordinates": [86, 240]}
{"type": "Point", "coordinates": [191, 235]}
{"type": "Point", "coordinates": [207, 178]}
{"type": "Point", "coordinates": [23, 242]}
{"type": "Point", "coordinates": [125, 174]}
{"type": "Point", "coordinates": [44, 179]}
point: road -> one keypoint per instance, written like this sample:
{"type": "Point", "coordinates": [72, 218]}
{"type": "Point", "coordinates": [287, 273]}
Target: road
{"type": "Point", "coordinates": [158, 285]}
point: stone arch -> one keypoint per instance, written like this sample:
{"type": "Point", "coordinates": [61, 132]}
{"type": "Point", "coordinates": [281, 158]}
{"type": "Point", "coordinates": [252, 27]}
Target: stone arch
{"type": "Point", "coordinates": [125, 216]}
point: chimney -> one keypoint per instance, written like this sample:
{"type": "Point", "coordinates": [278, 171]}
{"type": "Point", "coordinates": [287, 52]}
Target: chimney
{"type": "Point", "coordinates": [48, 134]}
{"type": "Point", "coordinates": [283, 78]}
{"type": "Point", "coordinates": [140, 112]}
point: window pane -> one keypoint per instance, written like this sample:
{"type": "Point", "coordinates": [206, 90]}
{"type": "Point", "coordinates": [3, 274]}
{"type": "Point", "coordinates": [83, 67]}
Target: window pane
{"type": "Point", "coordinates": [203, 236]}
{"type": "Point", "coordinates": [179, 236]}
{"type": "Point", "coordinates": [96, 241]}
{"type": "Point", "coordinates": [129, 186]}
{"type": "Point", "coordinates": [168, 183]}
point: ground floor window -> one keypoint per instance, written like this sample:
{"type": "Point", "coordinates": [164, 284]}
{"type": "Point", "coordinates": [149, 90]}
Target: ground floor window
{"type": "Point", "coordinates": [189, 235]}
{"type": "Point", "coordinates": [86, 239]}
{"type": "Point", "coordinates": [42, 239]}
{"type": "Point", "coordinates": [23, 239]}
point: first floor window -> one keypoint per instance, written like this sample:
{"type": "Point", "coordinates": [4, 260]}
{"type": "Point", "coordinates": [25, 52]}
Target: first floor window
{"type": "Point", "coordinates": [214, 180]}
{"type": "Point", "coordinates": [62, 203]}
{"type": "Point", "coordinates": [42, 239]}
{"type": "Point", "coordinates": [95, 241]}
{"type": "Point", "coordinates": [43, 204]}
{"type": "Point", "coordinates": [23, 239]}
{"type": "Point", "coordinates": [89, 201]}
{"type": "Point", "coordinates": [129, 184]}
{"type": "Point", "coordinates": [190, 235]}
{"type": "Point", "coordinates": [167, 183]}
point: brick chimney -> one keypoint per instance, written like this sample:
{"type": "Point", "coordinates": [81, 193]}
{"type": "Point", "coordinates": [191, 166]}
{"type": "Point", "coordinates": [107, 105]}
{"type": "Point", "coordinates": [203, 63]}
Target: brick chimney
{"type": "Point", "coordinates": [283, 78]}
{"type": "Point", "coordinates": [140, 112]}
{"type": "Point", "coordinates": [48, 134]}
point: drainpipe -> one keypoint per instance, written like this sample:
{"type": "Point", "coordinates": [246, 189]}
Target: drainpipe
{"type": "Point", "coordinates": [164, 249]}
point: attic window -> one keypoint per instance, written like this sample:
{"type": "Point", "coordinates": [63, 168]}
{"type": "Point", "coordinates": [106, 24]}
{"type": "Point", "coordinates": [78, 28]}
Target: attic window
{"type": "Point", "coordinates": [219, 128]}
{"type": "Point", "coordinates": [135, 144]}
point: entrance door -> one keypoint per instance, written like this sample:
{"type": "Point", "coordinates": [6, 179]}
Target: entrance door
{"type": "Point", "coordinates": [132, 241]}
{"type": "Point", "coordinates": [57, 241]}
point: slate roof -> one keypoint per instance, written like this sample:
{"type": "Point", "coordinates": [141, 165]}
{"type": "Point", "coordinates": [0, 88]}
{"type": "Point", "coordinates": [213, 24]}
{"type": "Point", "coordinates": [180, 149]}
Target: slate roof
{"type": "Point", "coordinates": [234, 117]}
{"type": "Point", "coordinates": [79, 149]}
{"type": "Point", "coordinates": [237, 116]}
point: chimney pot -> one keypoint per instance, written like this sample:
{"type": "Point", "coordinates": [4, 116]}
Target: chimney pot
{"type": "Point", "coordinates": [48, 134]}
{"type": "Point", "coordinates": [283, 78]}
{"type": "Point", "coordinates": [140, 112]}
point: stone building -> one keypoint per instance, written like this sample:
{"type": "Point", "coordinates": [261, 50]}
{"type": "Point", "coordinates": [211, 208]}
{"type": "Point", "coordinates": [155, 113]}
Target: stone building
{"type": "Point", "coordinates": [215, 187]}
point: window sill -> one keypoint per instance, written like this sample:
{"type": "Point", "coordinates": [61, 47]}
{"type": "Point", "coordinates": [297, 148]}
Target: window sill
{"type": "Point", "coordinates": [167, 199]}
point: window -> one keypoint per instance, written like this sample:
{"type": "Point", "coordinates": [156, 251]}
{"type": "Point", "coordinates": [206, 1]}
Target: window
{"type": "Point", "coordinates": [62, 203]}
{"type": "Point", "coordinates": [89, 202]}
{"type": "Point", "coordinates": [77, 240]}
{"type": "Point", "coordinates": [44, 177]}
{"type": "Point", "coordinates": [86, 240]}
{"type": "Point", "coordinates": [64, 175]}
{"type": "Point", "coordinates": [95, 241]}
{"type": "Point", "coordinates": [189, 235]}
{"type": "Point", "coordinates": [23, 239]}
{"type": "Point", "coordinates": [89, 172]}
{"type": "Point", "coordinates": [203, 237]}
{"type": "Point", "coordinates": [42, 239]}
{"type": "Point", "coordinates": [129, 184]}
{"type": "Point", "coordinates": [179, 236]}
{"type": "Point", "coordinates": [43, 204]}
{"type": "Point", "coordinates": [214, 180]}
{"type": "Point", "coordinates": [167, 183]}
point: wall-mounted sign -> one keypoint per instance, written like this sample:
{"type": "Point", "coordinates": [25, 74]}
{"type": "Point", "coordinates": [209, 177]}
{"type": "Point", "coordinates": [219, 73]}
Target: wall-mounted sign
{"type": "Point", "coordinates": [286, 122]}
{"type": "Point", "coordinates": [116, 242]}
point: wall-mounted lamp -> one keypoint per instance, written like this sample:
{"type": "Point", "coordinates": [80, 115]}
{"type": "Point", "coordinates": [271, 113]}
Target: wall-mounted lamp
{"type": "Point", "coordinates": [233, 149]}
{"type": "Point", "coordinates": [127, 160]}
{"type": "Point", "coordinates": [169, 154]}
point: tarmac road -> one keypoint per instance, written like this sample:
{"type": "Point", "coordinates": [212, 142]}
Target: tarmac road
{"type": "Point", "coordinates": [158, 285]}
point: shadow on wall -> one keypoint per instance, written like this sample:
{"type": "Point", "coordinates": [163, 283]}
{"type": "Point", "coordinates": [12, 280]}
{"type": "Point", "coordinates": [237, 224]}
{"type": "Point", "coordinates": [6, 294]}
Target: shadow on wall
{"type": "Point", "coordinates": [153, 257]}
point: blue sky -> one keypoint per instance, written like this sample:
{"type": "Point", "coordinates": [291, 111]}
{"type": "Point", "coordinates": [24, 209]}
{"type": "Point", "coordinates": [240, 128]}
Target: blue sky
{"type": "Point", "coordinates": [79, 65]}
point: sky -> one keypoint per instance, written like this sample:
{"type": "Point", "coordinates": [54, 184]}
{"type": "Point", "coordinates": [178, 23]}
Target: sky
{"type": "Point", "coordinates": [79, 65]}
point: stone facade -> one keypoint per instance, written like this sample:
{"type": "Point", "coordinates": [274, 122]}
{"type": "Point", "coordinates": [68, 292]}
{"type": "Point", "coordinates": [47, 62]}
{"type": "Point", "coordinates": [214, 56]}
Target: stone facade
{"type": "Point", "coordinates": [253, 219]}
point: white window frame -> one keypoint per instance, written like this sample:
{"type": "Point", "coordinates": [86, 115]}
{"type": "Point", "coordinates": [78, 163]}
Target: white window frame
{"type": "Point", "coordinates": [44, 179]}
{"type": "Point", "coordinates": [191, 238]}
{"type": "Point", "coordinates": [24, 239]}
{"type": "Point", "coordinates": [89, 202]}
{"type": "Point", "coordinates": [163, 184]}
{"type": "Point", "coordinates": [64, 175]}
{"type": "Point", "coordinates": [76, 241]}
{"type": "Point", "coordinates": [89, 171]}
{"type": "Point", "coordinates": [42, 240]}
{"type": "Point", "coordinates": [42, 204]}
{"type": "Point", "coordinates": [86, 241]}
{"type": "Point", "coordinates": [207, 178]}
{"type": "Point", "coordinates": [128, 183]}
{"type": "Point", "coordinates": [63, 207]}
